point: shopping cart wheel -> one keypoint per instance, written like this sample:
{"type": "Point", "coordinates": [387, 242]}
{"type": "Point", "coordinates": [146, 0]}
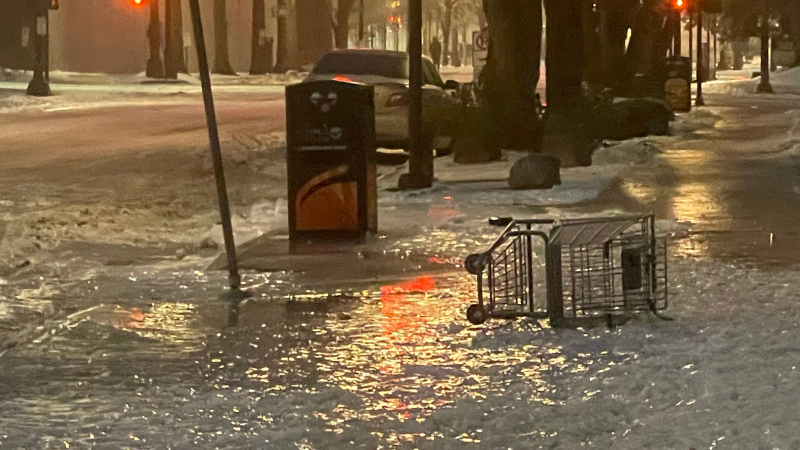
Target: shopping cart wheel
{"type": "Point", "coordinates": [476, 314]}
{"type": "Point", "coordinates": [473, 264]}
{"type": "Point", "coordinates": [500, 221]}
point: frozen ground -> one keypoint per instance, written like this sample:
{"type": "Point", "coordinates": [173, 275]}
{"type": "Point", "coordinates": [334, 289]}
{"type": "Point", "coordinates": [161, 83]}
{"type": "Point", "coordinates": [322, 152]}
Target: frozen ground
{"type": "Point", "coordinates": [114, 336]}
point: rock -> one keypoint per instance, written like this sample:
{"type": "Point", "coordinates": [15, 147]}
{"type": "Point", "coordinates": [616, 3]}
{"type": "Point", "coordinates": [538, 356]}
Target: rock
{"type": "Point", "coordinates": [632, 117]}
{"type": "Point", "coordinates": [535, 172]}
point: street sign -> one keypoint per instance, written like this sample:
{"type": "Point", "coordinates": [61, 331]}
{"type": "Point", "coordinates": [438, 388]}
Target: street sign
{"type": "Point", "coordinates": [480, 51]}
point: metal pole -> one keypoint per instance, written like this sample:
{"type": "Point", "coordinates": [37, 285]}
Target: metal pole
{"type": "Point", "coordinates": [764, 87]}
{"type": "Point", "coordinates": [216, 153]}
{"type": "Point", "coordinates": [699, 101]}
{"type": "Point", "coordinates": [420, 163]}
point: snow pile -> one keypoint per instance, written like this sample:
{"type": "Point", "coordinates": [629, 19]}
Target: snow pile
{"type": "Point", "coordinates": [263, 218]}
{"type": "Point", "coordinates": [696, 119]}
{"type": "Point", "coordinates": [790, 146]}
{"type": "Point", "coordinates": [15, 102]}
{"type": "Point", "coordinates": [265, 153]}
{"type": "Point", "coordinates": [96, 78]}
{"type": "Point", "coordinates": [485, 184]}
{"type": "Point", "coordinates": [785, 82]}
{"type": "Point", "coordinates": [630, 152]}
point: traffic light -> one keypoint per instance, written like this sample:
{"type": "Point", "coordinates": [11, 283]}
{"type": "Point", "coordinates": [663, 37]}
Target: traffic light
{"type": "Point", "coordinates": [680, 5]}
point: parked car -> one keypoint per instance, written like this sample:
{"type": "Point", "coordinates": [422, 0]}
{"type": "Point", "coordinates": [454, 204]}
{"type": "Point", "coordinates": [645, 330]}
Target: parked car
{"type": "Point", "coordinates": [387, 71]}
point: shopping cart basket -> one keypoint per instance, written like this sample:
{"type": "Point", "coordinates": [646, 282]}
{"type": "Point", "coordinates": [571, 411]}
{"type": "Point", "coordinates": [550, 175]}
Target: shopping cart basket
{"type": "Point", "coordinates": [571, 271]}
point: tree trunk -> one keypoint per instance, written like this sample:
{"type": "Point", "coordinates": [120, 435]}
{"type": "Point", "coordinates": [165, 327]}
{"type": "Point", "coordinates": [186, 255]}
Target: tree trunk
{"type": "Point", "coordinates": [447, 23]}
{"type": "Point", "coordinates": [173, 39]}
{"type": "Point", "coordinates": [592, 64]}
{"type": "Point", "coordinates": [792, 10]}
{"type": "Point", "coordinates": [613, 33]}
{"type": "Point", "coordinates": [261, 45]}
{"type": "Point", "coordinates": [512, 74]}
{"type": "Point", "coordinates": [564, 59]}
{"type": "Point", "coordinates": [455, 54]}
{"type": "Point", "coordinates": [282, 47]}
{"type": "Point", "coordinates": [155, 67]}
{"type": "Point", "coordinates": [341, 27]}
{"type": "Point", "coordinates": [222, 64]}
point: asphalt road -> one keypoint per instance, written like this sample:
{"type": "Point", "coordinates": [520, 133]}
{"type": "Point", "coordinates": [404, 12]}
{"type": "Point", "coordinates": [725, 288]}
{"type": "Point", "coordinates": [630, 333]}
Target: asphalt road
{"type": "Point", "coordinates": [132, 125]}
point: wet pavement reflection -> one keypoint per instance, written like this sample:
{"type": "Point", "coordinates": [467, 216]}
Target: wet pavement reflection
{"type": "Point", "coordinates": [150, 356]}
{"type": "Point", "coordinates": [732, 183]}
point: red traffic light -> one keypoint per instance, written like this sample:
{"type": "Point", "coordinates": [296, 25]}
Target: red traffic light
{"type": "Point", "coordinates": [680, 5]}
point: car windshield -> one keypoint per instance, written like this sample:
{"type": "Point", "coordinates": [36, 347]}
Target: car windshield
{"type": "Point", "coordinates": [362, 64]}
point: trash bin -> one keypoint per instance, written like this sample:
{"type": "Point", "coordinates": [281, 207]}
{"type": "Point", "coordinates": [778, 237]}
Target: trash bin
{"type": "Point", "coordinates": [330, 133]}
{"type": "Point", "coordinates": [679, 83]}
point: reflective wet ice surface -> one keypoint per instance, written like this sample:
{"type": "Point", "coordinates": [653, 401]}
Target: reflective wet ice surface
{"type": "Point", "coordinates": [159, 358]}
{"type": "Point", "coordinates": [141, 352]}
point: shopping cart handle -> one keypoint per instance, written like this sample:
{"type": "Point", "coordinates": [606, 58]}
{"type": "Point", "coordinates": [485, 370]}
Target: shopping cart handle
{"type": "Point", "coordinates": [500, 221]}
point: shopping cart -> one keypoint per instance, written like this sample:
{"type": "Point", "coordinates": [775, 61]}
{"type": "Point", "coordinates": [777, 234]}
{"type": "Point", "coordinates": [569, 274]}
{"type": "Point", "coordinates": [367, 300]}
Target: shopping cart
{"type": "Point", "coordinates": [571, 271]}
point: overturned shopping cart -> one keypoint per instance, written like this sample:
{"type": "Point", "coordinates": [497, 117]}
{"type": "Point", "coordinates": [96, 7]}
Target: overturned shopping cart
{"type": "Point", "coordinates": [571, 271]}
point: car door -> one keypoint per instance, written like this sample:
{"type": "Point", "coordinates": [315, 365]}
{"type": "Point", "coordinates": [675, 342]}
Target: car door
{"type": "Point", "coordinates": [438, 105]}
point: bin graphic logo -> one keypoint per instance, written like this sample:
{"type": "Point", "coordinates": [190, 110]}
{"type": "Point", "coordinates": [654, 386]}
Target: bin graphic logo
{"type": "Point", "coordinates": [328, 201]}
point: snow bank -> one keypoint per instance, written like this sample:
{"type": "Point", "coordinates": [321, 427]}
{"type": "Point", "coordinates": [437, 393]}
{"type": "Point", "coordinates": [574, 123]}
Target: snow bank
{"type": "Point", "coordinates": [696, 119]}
{"type": "Point", "coordinates": [258, 153]}
{"type": "Point", "coordinates": [486, 184]}
{"type": "Point", "coordinates": [263, 218]}
{"type": "Point", "coordinates": [12, 102]}
{"type": "Point", "coordinates": [630, 152]}
{"type": "Point", "coordinates": [94, 78]}
{"type": "Point", "coordinates": [785, 82]}
{"type": "Point", "coordinates": [789, 146]}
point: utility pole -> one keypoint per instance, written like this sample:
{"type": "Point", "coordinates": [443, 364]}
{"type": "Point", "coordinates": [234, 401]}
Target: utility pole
{"type": "Point", "coordinates": [764, 87]}
{"type": "Point", "coordinates": [420, 161]}
{"type": "Point", "coordinates": [282, 56]}
{"type": "Point", "coordinates": [38, 86]}
{"type": "Point", "coordinates": [155, 68]}
{"type": "Point", "coordinates": [699, 101]}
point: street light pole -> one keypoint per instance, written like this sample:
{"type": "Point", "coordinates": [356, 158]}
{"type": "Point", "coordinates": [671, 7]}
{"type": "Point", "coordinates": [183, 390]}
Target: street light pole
{"type": "Point", "coordinates": [699, 101]}
{"type": "Point", "coordinates": [764, 87]}
{"type": "Point", "coordinates": [420, 161]}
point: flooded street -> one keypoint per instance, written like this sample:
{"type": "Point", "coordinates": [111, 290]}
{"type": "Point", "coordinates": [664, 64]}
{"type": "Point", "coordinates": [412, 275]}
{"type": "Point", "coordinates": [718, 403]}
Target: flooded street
{"type": "Point", "coordinates": [114, 344]}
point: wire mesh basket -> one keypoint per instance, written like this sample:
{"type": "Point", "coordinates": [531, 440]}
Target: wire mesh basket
{"type": "Point", "coordinates": [569, 270]}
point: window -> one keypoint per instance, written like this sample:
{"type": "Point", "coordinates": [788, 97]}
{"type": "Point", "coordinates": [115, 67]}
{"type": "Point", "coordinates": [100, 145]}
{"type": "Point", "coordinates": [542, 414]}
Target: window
{"type": "Point", "coordinates": [430, 74]}
{"type": "Point", "coordinates": [362, 64]}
